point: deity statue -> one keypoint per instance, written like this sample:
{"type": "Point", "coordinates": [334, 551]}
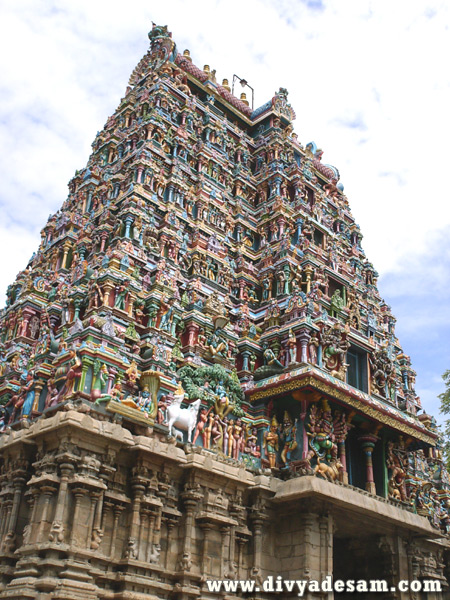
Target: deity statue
{"type": "Point", "coordinates": [100, 379]}
{"type": "Point", "coordinates": [288, 437]}
{"type": "Point", "coordinates": [335, 345]}
{"type": "Point", "coordinates": [200, 428]}
{"type": "Point", "coordinates": [121, 295]}
{"type": "Point", "coordinates": [337, 303]}
{"type": "Point", "coordinates": [222, 404]}
{"type": "Point", "coordinates": [396, 474]}
{"type": "Point", "coordinates": [166, 314]}
{"type": "Point", "coordinates": [217, 344]}
{"type": "Point", "coordinates": [270, 442]}
{"type": "Point", "coordinates": [269, 357]}
{"type": "Point", "coordinates": [117, 391]}
{"type": "Point", "coordinates": [132, 372]}
{"type": "Point", "coordinates": [74, 371]}
{"type": "Point", "coordinates": [238, 431]}
{"type": "Point", "coordinates": [267, 288]}
{"type": "Point", "coordinates": [292, 347]}
{"type": "Point", "coordinates": [27, 393]}
{"type": "Point", "coordinates": [321, 433]}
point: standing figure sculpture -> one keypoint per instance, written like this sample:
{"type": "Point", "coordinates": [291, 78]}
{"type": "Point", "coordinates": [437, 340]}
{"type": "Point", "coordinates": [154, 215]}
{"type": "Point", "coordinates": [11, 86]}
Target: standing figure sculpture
{"type": "Point", "coordinates": [292, 347]}
{"type": "Point", "coordinates": [288, 437]}
{"type": "Point", "coordinates": [270, 442]}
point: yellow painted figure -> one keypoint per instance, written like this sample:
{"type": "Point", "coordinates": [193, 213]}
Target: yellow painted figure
{"type": "Point", "coordinates": [270, 442]}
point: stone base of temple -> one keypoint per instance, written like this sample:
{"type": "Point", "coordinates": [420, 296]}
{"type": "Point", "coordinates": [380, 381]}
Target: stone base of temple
{"type": "Point", "coordinates": [92, 510]}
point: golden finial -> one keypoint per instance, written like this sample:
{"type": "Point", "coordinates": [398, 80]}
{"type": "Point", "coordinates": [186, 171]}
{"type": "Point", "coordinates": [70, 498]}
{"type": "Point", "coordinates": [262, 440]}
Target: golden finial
{"type": "Point", "coordinates": [226, 85]}
{"type": "Point", "coordinates": [244, 98]}
{"type": "Point", "coordinates": [187, 55]}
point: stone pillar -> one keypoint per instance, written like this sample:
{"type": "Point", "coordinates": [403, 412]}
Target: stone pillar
{"type": "Point", "coordinates": [94, 533]}
{"type": "Point", "coordinates": [299, 224]}
{"type": "Point", "coordinates": [245, 358]}
{"type": "Point", "coordinates": [223, 533]}
{"type": "Point", "coordinates": [57, 529]}
{"type": "Point", "coordinates": [191, 498]}
{"type": "Point", "coordinates": [157, 530]}
{"type": "Point", "coordinates": [79, 494]}
{"type": "Point", "coordinates": [106, 511]}
{"type": "Point", "coordinates": [326, 545]}
{"type": "Point", "coordinates": [303, 336]}
{"type": "Point", "coordinates": [6, 513]}
{"type": "Point", "coordinates": [367, 444]}
{"type": "Point", "coordinates": [47, 492]}
{"type": "Point", "coordinates": [241, 541]}
{"type": "Point", "coordinates": [112, 372]}
{"type": "Point", "coordinates": [31, 501]}
{"type": "Point", "coordinates": [130, 306]}
{"type": "Point", "coordinates": [232, 565]}
{"type": "Point", "coordinates": [151, 525]}
{"type": "Point", "coordinates": [112, 547]}
{"type": "Point", "coordinates": [77, 304]}
{"type": "Point", "coordinates": [103, 238]}
{"type": "Point", "coordinates": [170, 194]}
{"type": "Point", "coordinates": [142, 543]}
{"type": "Point", "coordinates": [29, 530]}
{"type": "Point", "coordinates": [13, 513]}
{"type": "Point", "coordinates": [192, 329]}
{"type": "Point", "coordinates": [37, 394]}
{"type": "Point", "coordinates": [84, 369]}
{"type": "Point", "coordinates": [107, 288]}
{"type": "Point", "coordinates": [128, 223]}
{"type": "Point", "coordinates": [308, 272]}
{"type": "Point", "coordinates": [308, 530]}
{"type": "Point", "coordinates": [170, 524]}
{"type": "Point", "coordinates": [303, 414]}
{"type": "Point", "coordinates": [257, 518]}
{"type": "Point", "coordinates": [138, 487]}
{"type": "Point", "coordinates": [241, 288]}
{"type": "Point", "coordinates": [310, 556]}
{"type": "Point", "coordinates": [343, 460]}
{"type": "Point", "coordinates": [66, 249]}
{"type": "Point", "coordinates": [205, 563]}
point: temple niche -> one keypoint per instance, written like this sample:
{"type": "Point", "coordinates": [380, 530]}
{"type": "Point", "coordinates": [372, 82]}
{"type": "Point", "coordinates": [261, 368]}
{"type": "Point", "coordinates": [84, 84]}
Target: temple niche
{"type": "Point", "coordinates": [198, 376]}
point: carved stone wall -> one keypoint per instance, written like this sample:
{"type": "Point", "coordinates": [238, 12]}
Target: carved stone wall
{"type": "Point", "coordinates": [92, 510]}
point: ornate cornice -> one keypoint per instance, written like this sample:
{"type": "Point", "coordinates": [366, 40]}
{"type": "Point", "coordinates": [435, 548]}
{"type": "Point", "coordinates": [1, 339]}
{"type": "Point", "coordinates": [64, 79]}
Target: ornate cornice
{"type": "Point", "coordinates": [308, 377]}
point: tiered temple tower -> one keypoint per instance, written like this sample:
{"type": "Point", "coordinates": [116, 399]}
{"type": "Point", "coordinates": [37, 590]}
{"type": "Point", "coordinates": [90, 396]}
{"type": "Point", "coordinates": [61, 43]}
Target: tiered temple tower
{"type": "Point", "coordinates": [198, 376]}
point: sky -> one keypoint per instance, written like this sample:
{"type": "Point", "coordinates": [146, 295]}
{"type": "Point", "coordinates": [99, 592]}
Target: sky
{"type": "Point", "coordinates": [369, 83]}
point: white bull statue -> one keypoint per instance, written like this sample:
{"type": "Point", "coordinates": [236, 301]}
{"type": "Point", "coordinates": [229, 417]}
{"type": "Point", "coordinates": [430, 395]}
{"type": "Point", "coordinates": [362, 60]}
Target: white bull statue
{"type": "Point", "coordinates": [182, 418]}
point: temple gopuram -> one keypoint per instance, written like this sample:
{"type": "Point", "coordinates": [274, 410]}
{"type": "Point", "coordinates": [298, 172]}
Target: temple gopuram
{"type": "Point", "coordinates": [199, 379]}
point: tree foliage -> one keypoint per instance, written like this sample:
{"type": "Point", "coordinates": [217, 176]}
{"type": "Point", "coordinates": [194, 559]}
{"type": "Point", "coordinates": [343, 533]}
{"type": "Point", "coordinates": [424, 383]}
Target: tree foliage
{"type": "Point", "coordinates": [445, 409]}
{"type": "Point", "coordinates": [202, 382]}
